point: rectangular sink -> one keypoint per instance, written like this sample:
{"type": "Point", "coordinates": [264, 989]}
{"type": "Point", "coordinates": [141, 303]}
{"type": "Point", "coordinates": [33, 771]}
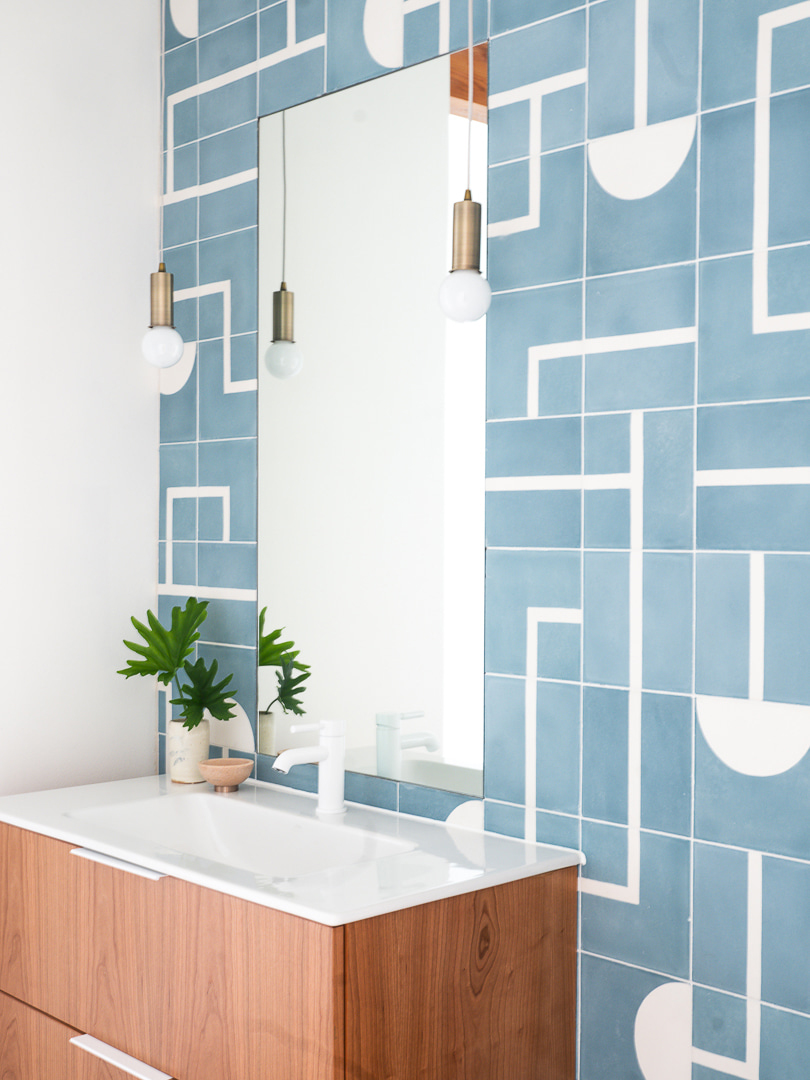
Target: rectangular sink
{"type": "Point", "coordinates": [265, 841]}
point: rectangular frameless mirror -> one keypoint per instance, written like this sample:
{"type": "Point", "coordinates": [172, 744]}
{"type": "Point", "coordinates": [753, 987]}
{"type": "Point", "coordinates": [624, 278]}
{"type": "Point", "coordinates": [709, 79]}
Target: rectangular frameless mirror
{"type": "Point", "coordinates": [371, 459]}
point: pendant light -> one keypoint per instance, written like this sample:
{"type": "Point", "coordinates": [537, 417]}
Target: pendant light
{"type": "Point", "coordinates": [283, 357]}
{"type": "Point", "coordinates": [465, 294]}
{"type": "Point", "coordinates": [162, 346]}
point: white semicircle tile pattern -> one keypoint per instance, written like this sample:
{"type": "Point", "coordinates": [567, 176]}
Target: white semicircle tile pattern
{"type": "Point", "coordinates": [648, 468]}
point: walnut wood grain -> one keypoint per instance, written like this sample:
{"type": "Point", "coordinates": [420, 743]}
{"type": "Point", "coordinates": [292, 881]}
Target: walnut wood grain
{"type": "Point", "coordinates": [459, 67]}
{"type": "Point", "coordinates": [476, 987]}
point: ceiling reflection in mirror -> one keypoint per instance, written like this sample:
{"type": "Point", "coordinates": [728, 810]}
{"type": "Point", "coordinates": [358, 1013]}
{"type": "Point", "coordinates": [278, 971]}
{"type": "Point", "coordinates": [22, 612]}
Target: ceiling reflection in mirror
{"type": "Point", "coordinates": [371, 459]}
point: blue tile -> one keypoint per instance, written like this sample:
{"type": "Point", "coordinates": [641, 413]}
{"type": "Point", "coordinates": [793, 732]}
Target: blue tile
{"type": "Point", "coordinates": [667, 633]}
{"type": "Point", "coordinates": [228, 106]}
{"type": "Point", "coordinates": [719, 1023]}
{"type": "Point", "coordinates": [348, 58]}
{"type": "Point", "coordinates": [640, 379]}
{"type": "Point", "coordinates": [607, 519]}
{"type": "Point", "coordinates": [186, 122]}
{"type": "Point", "coordinates": [228, 153]}
{"type": "Point", "coordinates": [654, 933]}
{"type": "Point", "coordinates": [788, 287]}
{"type": "Point", "coordinates": [233, 464]}
{"type": "Point", "coordinates": [558, 746]}
{"type": "Point", "coordinates": [212, 316]}
{"type": "Point", "coordinates": [180, 69]}
{"type": "Point", "coordinates": [517, 580]}
{"type": "Point", "coordinates": [172, 36]}
{"type": "Point", "coordinates": [186, 170]}
{"type": "Point", "coordinates": [222, 415]}
{"type": "Point", "coordinates": [552, 252]}
{"type": "Point", "coordinates": [754, 436]}
{"type": "Point", "coordinates": [508, 192]}
{"type": "Point", "coordinates": [785, 1044]}
{"type": "Point", "coordinates": [184, 564]}
{"type": "Point", "coordinates": [428, 802]}
{"type": "Point", "coordinates": [178, 468]}
{"type": "Point", "coordinates": [787, 628]}
{"type": "Point", "coordinates": [227, 49]}
{"type": "Point", "coordinates": [563, 122]}
{"type": "Point", "coordinates": [211, 511]}
{"type": "Point", "coordinates": [180, 223]}
{"type": "Point", "coordinates": [533, 519]}
{"type": "Point", "coordinates": [558, 651]}
{"type": "Point", "coordinates": [611, 997]}
{"type": "Point", "coordinates": [301, 778]}
{"type": "Point", "coordinates": [605, 848]}
{"type": "Point", "coordinates": [534, 447]}
{"type": "Point", "coordinates": [606, 619]}
{"type": "Point", "coordinates": [512, 14]}
{"type": "Point", "coordinates": [216, 13]}
{"type": "Point", "coordinates": [627, 234]}
{"type": "Point", "coordinates": [720, 917]}
{"type": "Point", "coordinates": [785, 933]}
{"type": "Point", "coordinates": [233, 258]}
{"type": "Point", "coordinates": [504, 739]}
{"type": "Point", "coordinates": [756, 812]}
{"type": "Point", "coordinates": [604, 754]}
{"type": "Point", "coordinates": [230, 566]}
{"type": "Point", "coordinates": [371, 791]}
{"type": "Point", "coordinates": [666, 763]}
{"type": "Point", "coordinates": [727, 181]}
{"type": "Point", "coordinates": [673, 59]}
{"type": "Point", "coordinates": [310, 18]}
{"type": "Point", "coordinates": [721, 625]}
{"type": "Point", "coordinates": [515, 322]}
{"type": "Point", "coordinates": [789, 217]}
{"type": "Point", "coordinates": [647, 300]}
{"type": "Point", "coordinates": [229, 210]}
{"type": "Point", "coordinates": [607, 444]}
{"type": "Point", "coordinates": [232, 622]}
{"type": "Point", "coordinates": [790, 61]}
{"type": "Point", "coordinates": [558, 829]}
{"type": "Point", "coordinates": [550, 48]}
{"type": "Point", "coordinates": [244, 359]}
{"type": "Point", "coordinates": [421, 34]}
{"type": "Point", "coordinates": [508, 129]}
{"type": "Point", "coordinates": [291, 81]}
{"type": "Point", "coordinates": [736, 365]}
{"type": "Point", "coordinates": [757, 518]}
{"type": "Point", "coordinates": [730, 29]}
{"type": "Point", "coordinates": [185, 316]}
{"type": "Point", "coordinates": [182, 263]}
{"type": "Point", "coordinates": [611, 65]}
{"type": "Point", "coordinates": [503, 819]}
{"type": "Point", "coordinates": [458, 23]}
{"type": "Point", "coordinates": [668, 463]}
{"type": "Point", "coordinates": [178, 413]}
{"type": "Point", "coordinates": [559, 386]}
{"type": "Point", "coordinates": [273, 29]}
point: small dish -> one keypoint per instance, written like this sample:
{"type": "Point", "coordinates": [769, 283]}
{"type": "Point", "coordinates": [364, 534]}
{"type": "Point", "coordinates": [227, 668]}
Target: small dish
{"type": "Point", "coordinates": [226, 774]}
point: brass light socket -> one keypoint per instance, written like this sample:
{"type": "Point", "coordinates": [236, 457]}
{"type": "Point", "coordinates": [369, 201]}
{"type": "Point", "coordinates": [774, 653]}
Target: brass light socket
{"type": "Point", "coordinates": [283, 305]}
{"type": "Point", "coordinates": [466, 234]}
{"type": "Point", "coordinates": [162, 297]}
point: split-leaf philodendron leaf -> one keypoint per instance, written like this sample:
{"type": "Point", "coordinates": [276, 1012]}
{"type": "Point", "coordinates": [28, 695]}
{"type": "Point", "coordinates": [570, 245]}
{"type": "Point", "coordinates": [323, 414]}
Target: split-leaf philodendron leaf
{"type": "Point", "coordinates": [203, 693]}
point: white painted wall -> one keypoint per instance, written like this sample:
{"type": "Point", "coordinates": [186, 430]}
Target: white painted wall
{"type": "Point", "coordinates": [79, 87]}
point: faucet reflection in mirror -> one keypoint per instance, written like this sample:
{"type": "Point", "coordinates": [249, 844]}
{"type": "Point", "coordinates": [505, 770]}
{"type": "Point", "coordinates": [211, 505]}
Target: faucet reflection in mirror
{"type": "Point", "coordinates": [283, 357]}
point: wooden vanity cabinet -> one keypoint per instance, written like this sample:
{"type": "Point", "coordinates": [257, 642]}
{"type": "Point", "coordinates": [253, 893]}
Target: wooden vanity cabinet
{"type": "Point", "coordinates": [205, 986]}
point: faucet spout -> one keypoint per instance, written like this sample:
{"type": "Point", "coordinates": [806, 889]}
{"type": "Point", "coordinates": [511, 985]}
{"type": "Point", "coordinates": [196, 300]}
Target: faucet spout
{"type": "Point", "coordinates": [300, 755]}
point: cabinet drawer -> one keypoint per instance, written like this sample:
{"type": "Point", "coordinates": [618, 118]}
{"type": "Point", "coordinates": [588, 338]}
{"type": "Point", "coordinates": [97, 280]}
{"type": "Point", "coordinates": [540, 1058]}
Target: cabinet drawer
{"type": "Point", "coordinates": [34, 1046]}
{"type": "Point", "coordinates": [195, 982]}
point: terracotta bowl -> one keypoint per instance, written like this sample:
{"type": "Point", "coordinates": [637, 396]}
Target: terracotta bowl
{"type": "Point", "coordinates": [226, 774]}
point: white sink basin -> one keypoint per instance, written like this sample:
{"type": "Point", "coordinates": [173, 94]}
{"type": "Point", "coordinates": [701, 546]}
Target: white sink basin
{"type": "Point", "coordinates": [266, 841]}
{"type": "Point", "coordinates": [266, 844]}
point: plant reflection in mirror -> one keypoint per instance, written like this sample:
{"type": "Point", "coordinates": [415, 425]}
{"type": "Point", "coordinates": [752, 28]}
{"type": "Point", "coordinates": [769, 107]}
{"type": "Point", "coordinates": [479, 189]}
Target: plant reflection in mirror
{"type": "Point", "coordinates": [284, 656]}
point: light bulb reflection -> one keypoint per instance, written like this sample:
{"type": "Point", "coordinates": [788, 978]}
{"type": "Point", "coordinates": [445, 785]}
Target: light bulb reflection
{"type": "Point", "coordinates": [283, 359]}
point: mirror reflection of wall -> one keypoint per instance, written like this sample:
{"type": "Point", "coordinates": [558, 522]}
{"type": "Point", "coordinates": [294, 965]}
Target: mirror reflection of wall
{"type": "Point", "coordinates": [371, 460]}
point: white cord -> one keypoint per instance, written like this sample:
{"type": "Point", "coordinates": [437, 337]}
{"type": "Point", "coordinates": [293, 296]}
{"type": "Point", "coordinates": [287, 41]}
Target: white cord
{"type": "Point", "coordinates": [470, 78]}
{"type": "Point", "coordinates": [284, 195]}
{"type": "Point", "coordinates": [161, 126]}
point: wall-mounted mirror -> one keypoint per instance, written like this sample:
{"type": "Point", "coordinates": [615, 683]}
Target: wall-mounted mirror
{"type": "Point", "coordinates": [371, 460]}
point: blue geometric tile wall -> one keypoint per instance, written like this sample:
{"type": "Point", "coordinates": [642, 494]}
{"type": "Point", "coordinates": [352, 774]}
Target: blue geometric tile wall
{"type": "Point", "coordinates": [648, 467]}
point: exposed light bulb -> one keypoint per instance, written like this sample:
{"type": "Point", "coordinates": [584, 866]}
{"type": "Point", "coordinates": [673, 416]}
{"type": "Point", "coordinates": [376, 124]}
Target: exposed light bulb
{"type": "Point", "coordinates": [162, 346]}
{"type": "Point", "coordinates": [283, 359]}
{"type": "Point", "coordinates": [465, 295]}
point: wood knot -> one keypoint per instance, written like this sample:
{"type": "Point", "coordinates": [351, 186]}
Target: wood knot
{"type": "Point", "coordinates": [484, 946]}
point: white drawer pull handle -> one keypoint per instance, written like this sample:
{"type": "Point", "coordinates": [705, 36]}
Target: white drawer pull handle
{"type": "Point", "coordinates": [119, 864]}
{"type": "Point", "coordinates": [118, 1058]}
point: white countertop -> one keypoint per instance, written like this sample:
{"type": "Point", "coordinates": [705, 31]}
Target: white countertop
{"type": "Point", "coordinates": [238, 843]}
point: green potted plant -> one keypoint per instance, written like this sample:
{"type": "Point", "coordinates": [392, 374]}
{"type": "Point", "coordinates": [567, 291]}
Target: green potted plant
{"type": "Point", "coordinates": [164, 653]}
{"type": "Point", "coordinates": [290, 678]}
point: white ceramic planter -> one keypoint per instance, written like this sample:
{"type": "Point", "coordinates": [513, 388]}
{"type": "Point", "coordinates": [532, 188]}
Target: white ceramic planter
{"type": "Point", "coordinates": [184, 750]}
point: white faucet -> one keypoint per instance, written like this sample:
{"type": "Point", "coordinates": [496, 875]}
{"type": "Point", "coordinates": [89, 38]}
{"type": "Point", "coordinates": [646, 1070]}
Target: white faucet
{"type": "Point", "coordinates": [330, 756]}
{"type": "Point", "coordinates": [391, 742]}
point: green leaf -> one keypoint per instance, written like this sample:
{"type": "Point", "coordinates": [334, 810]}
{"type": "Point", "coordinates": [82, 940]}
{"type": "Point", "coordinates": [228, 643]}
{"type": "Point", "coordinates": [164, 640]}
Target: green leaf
{"type": "Point", "coordinates": [274, 653]}
{"type": "Point", "coordinates": [203, 693]}
{"type": "Point", "coordinates": [164, 651]}
{"type": "Point", "coordinates": [290, 688]}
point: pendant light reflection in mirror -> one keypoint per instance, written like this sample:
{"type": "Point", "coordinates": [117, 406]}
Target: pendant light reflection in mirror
{"type": "Point", "coordinates": [283, 357]}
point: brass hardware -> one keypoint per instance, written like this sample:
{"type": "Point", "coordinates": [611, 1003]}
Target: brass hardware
{"type": "Point", "coordinates": [466, 234]}
{"type": "Point", "coordinates": [283, 314]}
{"type": "Point", "coordinates": [162, 297]}
{"type": "Point", "coordinates": [225, 789]}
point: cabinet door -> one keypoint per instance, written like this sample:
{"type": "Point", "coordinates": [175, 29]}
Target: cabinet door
{"type": "Point", "coordinates": [196, 982]}
{"type": "Point", "coordinates": [475, 987]}
{"type": "Point", "coordinates": [34, 1046]}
